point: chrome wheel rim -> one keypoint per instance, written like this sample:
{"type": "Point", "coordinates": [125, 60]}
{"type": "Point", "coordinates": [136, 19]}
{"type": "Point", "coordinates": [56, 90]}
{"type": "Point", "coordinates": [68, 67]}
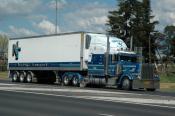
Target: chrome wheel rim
{"type": "Point", "coordinates": [126, 84]}
{"type": "Point", "coordinates": [75, 81]}
{"type": "Point", "coordinates": [21, 78]}
{"type": "Point", "coordinates": [15, 77]}
{"type": "Point", "coordinates": [29, 78]}
{"type": "Point", "coordinates": [66, 80]}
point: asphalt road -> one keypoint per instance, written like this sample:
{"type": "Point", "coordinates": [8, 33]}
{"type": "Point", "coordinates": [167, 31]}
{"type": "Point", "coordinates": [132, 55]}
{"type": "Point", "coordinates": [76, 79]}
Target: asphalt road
{"type": "Point", "coordinates": [17, 99]}
{"type": "Point", "coordinates": [26, 104]}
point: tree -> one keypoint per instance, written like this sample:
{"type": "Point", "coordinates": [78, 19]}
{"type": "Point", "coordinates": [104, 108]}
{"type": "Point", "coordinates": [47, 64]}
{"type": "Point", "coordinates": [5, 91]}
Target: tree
{"type": "Point", "coordinates": [133, 20]}
{"type": "Point", "coordinates": [170, 34]}
{"type": "Point", "coordinates": [120, 21]}
{"type": "Point", "coordinates": [3, 45]}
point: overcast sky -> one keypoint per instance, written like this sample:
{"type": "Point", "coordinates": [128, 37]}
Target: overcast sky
{"type": "Point", "coordinates": [20, 18]}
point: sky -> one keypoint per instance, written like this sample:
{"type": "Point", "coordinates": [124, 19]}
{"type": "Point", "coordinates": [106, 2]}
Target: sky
{"type": "Point", "coordinates": [19, 18]}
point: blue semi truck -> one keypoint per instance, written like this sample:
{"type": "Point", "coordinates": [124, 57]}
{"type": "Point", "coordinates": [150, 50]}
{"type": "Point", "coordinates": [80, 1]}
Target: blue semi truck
{"type": "Point", "coordinates": [78, 59]}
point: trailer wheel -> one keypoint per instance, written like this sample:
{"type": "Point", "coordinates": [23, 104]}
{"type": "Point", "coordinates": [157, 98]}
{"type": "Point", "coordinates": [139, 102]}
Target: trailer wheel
{"type": "Point", "coordinates": [66, 80]}
{"type": "Point", "coordinates": [75, 81]}
{"type": "Point", "coordinates": [126, 84]}
{"type": "Point", "coordinates": [22, 77]}
{"type": "Point", "coordinates": [29, 78]}
{"type": "Point", "coordinates": [15, 77]}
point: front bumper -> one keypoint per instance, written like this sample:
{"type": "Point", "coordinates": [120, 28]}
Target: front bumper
{"type": "Point", "coordinates": [146, 84]}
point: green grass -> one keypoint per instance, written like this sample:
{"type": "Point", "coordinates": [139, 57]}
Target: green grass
{"type": "Point", "coordinates": [170, 78]}
{"type": "Point", "coordinates": [3, 74]}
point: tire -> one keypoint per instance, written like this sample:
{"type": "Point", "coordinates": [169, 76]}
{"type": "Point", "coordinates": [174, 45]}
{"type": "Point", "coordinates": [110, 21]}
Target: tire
{"type": "Point", "coordinates": [22, 78]}
{"type": "Point", "coordinates": [66, 80]}
{"type": "Point", "coordinates": [15, 77]}
{"type": "Point", "coordinates": [29, 78]}
{"type": "Point", "coordinates": [126, 84]}
{"type": "Point", "coordinates": [75, 81]}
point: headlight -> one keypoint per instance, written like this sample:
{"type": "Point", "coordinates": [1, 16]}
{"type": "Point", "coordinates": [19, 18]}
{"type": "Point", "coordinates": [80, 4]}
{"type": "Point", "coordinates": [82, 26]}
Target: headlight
{"type": "Point", "coordinates": [156, 76]}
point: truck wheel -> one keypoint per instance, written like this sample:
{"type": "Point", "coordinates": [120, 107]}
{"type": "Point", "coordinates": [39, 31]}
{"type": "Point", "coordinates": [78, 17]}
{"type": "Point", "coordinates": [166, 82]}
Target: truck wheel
{"type": "Point", "coordinates": [29, 78]}
{"type": "Point", "coordinates": [75, 81]}
{"type": "Point", "coordinates": [126, 84]}
{"type": "Point", "coordinates": [22, 77]}
{"type": "Point", "coordinates": [66, 80]}
{"type": "Point", "coordinates": [15, 77]}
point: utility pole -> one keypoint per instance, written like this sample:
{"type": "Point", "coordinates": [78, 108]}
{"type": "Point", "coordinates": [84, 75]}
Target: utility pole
{"type": "Point", "coordinates": [131, 43]}
{"type": "Point", "coordinates": [107, 58]}
{"type": "Point", "coordinates": [56, 15]}
{"type": "Point", "coordinates": [149, 49]}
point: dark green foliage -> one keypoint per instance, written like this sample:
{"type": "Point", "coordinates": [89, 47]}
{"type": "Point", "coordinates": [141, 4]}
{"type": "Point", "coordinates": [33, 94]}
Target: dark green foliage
{"type": "Point", "coordinates": [170, 33]}
{"type": "Point", "coordinates": [132, 19]}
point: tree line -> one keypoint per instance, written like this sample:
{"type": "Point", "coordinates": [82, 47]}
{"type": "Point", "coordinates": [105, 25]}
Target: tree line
{"type": "Point", "coordinates": [3, 52]}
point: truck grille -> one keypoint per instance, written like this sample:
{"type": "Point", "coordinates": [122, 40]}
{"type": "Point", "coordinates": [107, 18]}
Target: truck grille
{"type": "Point", "coordinates": [147, 71]}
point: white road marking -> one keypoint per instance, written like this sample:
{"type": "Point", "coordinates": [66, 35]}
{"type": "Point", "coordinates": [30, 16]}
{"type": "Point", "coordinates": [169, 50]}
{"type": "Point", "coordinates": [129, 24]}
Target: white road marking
{"type": "Point", "coordinates": [7, 84]}
{"type": "Point", "coordinates": [146, 102]}
{"type": "Point", "coordinates": [65, 90]}
{"type": "Point", "coordinates": [105, 115]}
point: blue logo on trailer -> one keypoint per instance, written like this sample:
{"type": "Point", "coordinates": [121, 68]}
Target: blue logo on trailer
{"type": "Point", "coordinates": [15, 51]}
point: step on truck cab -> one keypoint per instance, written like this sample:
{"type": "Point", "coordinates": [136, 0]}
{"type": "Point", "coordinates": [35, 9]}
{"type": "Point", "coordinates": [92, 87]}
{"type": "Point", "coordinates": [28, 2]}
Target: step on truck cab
{"type": "Point", "coordinates": [78, 59]}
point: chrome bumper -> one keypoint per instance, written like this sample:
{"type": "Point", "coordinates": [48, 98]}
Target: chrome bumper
{"type": "Point", "coordinates": [146, 84]}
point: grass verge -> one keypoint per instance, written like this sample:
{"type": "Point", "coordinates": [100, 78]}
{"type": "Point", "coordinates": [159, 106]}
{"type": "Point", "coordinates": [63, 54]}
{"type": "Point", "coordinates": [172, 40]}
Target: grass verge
{"type": "Point", "coordinates": [3, 74]}
{"type": "Point", "coordinates": [167, 87]}
{"type": "Point", "coordinates": [170, 78]}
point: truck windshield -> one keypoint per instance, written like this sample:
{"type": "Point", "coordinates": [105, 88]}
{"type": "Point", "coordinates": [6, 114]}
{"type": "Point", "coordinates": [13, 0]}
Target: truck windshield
{"type": "Point", "coordinates": [129, 58]}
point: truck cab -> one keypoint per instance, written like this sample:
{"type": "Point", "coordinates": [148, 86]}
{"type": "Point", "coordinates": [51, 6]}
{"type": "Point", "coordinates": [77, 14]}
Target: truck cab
{"type": "Point", "coordinates": [133, 74]}
{"type": "Point", "coordinates": [119, 67]}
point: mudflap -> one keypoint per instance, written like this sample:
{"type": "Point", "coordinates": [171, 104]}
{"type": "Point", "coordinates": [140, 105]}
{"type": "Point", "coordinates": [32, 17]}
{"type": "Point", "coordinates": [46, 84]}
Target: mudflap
{"type": "Point", "coordinates": [146, 84]}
